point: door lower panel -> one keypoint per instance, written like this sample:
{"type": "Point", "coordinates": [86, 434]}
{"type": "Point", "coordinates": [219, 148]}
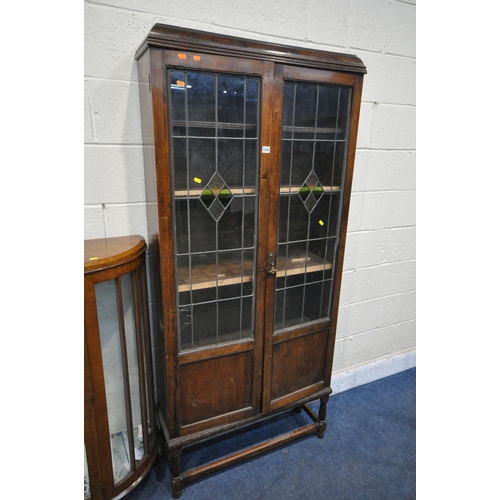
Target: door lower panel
{"type": "Point", "coordinates": [298, 363]}
{"type": "Point", "coordinates": [215, 387]}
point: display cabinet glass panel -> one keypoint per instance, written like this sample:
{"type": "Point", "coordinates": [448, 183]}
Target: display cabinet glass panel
{"type": "Point", "coordinates": [311, 177]}
{"type": "Point", "coordinates": [214, 130]}
{"type": "Point", "coordinates": [120, 425]}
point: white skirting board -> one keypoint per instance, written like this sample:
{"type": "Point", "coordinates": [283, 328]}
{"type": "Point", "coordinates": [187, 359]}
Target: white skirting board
{"type": "Point", "coordinates": [360, 375]}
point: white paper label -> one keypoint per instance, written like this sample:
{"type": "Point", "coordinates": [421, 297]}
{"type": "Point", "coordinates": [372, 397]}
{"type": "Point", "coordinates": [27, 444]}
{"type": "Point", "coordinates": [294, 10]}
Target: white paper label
{"type": "Point", "coordinates": [266, 149]}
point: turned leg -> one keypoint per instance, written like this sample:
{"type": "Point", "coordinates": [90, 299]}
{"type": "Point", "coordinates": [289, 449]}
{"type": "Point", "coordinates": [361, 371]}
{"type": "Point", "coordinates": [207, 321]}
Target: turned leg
{"type": "Point", "coordinates": [174, 463]}
{"type": "Point", "coordinates": [322, 417]}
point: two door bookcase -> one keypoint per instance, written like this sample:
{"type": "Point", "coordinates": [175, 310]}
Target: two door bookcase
{"type": "Point", "coordinates": [249, 152]}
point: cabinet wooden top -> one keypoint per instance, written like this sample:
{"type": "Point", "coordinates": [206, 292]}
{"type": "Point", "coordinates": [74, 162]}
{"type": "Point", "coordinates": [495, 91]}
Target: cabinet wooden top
{"type": "Point", "coordinates": [104, 253]}
{"type": "Point", "coordinates": [171, 37]}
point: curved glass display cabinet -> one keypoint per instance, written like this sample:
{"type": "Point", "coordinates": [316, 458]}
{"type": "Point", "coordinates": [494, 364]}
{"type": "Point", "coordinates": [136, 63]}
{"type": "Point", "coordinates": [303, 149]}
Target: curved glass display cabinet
{"type": "Point", "coordinates": [120, 424]}
{"type": "Point", "coordinates": [249, 154]}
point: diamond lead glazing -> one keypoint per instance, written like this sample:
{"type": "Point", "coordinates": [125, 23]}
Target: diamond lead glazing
{"type": "Point", "coordinates": [311, 191]}
{"type": "Point", "coordinates": [216, 196]}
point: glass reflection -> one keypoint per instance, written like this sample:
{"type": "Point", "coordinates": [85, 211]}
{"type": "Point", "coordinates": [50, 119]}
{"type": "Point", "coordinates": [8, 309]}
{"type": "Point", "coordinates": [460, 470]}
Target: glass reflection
{"type": "Point", "coordinates": [118, 337]}
{"type": "Point", "coordinates": [86, 483]}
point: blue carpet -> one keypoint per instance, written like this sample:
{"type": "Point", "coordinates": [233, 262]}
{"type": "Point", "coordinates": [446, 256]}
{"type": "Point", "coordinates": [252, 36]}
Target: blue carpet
{"type": "Point", "coordinates": [368, 452]}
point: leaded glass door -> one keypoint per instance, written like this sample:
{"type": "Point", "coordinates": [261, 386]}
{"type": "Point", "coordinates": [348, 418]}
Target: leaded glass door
{"type": "Point", "coordinates": [215, 120]}
{"type": "Point", "coordinates": [313, 146]}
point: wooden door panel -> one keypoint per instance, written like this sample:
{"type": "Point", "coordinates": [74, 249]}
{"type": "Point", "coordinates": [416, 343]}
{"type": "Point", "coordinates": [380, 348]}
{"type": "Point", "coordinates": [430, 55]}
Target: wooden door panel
{"type": "Point", "coordinates": [298, 363]}
{"type": "Point", "coordinates": [313, 168]}
{"type": "Point", "coordinates": [215, 387]}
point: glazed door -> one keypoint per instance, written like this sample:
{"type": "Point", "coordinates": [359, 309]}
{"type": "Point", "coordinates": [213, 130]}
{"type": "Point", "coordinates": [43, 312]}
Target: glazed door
{"type": "Point", "coordinates": [313, 141]}
{"type": "Point", "coordinates": [215, 128]}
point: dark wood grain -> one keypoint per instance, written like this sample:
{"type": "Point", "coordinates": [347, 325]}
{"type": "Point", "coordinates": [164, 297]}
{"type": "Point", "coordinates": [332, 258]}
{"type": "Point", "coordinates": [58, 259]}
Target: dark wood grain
{"type": "Point", "coordinates": [205, 392]}
{"type": "Point", "coordinates": [298, 363]}
{"type": "Point", "coordinates": [165, 231]}
{"type": "Point", "coordinates": [96, 375]}
{"type": "Point", "coordinates": [165, 36]}
{"type": "Point", "coordinates": [215, 387]}
{"type": "Point", "coordinates": [90, 433]}
{"type": "Point", "coordinates": [196, 436]}
{"type": "Point", "coordinates": [247, 453]}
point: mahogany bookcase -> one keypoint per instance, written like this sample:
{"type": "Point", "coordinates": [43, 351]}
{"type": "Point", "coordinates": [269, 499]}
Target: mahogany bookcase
{"type": "Point", "coordinates": [249, 153]}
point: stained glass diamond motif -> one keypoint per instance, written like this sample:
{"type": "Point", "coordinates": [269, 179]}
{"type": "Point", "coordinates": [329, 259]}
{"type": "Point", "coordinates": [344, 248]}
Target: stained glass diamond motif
{"type": "Point", "coordinates": [311, 191]}
{"type": "Point", "coordinates": [216, 184]}
{"type": "Point", "coordinates": [216, 209]}
{"type": "Point", "coordinates": [216, 196]}
{"type": "Point", "coordinates": [312, 180]}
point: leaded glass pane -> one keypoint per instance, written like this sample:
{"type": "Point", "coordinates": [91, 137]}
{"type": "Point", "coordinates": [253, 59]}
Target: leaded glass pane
{"type": "Point", "coordinates": [200, 91]}
{"type": "Point", "coordinates": [231, 96]}
{"type": "Point", "coordinates": [179, 153]}
{"type": "Point", "coordinates": [313, 158]}
{"type": "Point", "coordinates": [214, 161]}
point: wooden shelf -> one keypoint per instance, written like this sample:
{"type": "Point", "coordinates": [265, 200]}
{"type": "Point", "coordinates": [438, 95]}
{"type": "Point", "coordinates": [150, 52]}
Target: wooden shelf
{"type": "Point", "coordinates": [249, 126]}
{"type": "Point", "coordinates": [210, 125]}
{"type": "Point", "coordinates": [299, 265]}
{"type": "Point", "coordinates": [312, 130]}
{"type": "Point", "coordinates": [253, 127]}
{"type": "Point", "coordinates": [296, 189]}
{"type": "Point", "coordinates": [196, 193]}
{"type": "Point", "coordinates": [231, 273]}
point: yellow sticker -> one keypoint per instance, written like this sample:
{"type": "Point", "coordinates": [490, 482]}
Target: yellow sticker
{"type": "Point", "coordinates": [93, 258]}
{"type": "Point", "coordinates": [197, 180]}
{"type": "Point", "coordinates": [321, 223]}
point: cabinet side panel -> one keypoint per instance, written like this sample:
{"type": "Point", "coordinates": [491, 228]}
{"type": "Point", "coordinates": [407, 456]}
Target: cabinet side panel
{"type": "Point", "coordinates": [339, 266]}
{"type": "Point", "coordinates": [153, 257]}
{"type": "Point", "coordinates": [148, 145]}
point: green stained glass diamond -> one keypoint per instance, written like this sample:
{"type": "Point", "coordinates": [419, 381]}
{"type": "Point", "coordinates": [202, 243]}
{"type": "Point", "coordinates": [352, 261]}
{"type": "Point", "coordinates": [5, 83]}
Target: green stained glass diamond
{"type": "Point", "coordinates": [317, 192]}
{"type": "Point", "coordinates": [207, 197]}
{"type": "Point", "coordinates": [225, 196]}
{"type": "Point", "coordinates": [311, 191]}
{"type": "Point", "coordinates": [304, 193]}
{"type": "Point", "coordinates": [216, 196]}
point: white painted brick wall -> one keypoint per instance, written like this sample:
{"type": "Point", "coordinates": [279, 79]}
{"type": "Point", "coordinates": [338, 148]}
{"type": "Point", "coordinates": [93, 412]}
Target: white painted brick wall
{"type": "Point", "coordinates": [377, 314]}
